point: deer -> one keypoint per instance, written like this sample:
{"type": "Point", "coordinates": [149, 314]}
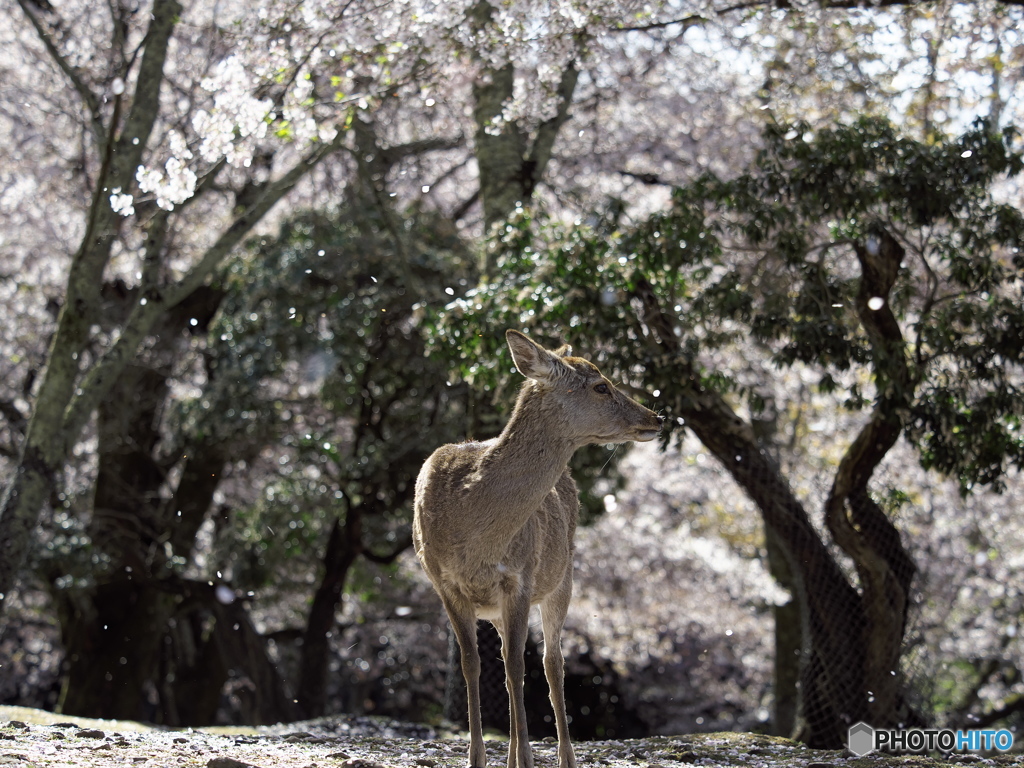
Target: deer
{"type": "Point", "coordinates": [494, 523]}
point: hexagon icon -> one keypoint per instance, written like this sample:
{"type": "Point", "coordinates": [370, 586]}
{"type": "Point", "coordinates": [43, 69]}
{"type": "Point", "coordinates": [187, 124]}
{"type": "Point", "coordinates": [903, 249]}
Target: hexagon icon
{"type": "Point", "coordinates": [861, 739]}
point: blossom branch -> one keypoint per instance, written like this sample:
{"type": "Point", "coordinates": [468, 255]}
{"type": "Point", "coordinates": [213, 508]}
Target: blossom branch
{"type": "Point", "coordinates": [146, 100]}
{"type": "Point", "coordinates": [156, 299]}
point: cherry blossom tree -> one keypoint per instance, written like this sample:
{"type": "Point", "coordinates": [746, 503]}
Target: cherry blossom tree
{"type": "Point", "coordinates": [133, 168]}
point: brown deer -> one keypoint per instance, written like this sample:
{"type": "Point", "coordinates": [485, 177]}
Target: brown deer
{"type": "Point", "coordinates": [495, 520]}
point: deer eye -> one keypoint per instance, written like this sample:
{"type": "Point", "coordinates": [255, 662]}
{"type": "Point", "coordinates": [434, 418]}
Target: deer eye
{"type": "Point", "coordinates": [602, 388]}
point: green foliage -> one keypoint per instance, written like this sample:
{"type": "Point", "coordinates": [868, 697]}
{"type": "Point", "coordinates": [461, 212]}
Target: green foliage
{"type": "Point", "coordinates": [544, 272]}
{"type": "Point", "coordinates": [958, 296]}
{"type": "Point", "coordinates": [768, 258]}
{"type": "Point", "coordinates": [319, 341]}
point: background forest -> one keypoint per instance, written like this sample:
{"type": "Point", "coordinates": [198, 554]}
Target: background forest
{"type": "Point", "coordinates": [256, 263]}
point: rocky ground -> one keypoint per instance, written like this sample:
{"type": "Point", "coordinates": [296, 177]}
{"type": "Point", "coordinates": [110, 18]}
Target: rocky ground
{"type": "Point", "coordinates": [37, 739]}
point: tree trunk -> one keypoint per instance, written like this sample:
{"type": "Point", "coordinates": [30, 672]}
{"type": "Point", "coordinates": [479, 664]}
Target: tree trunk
{"type": "Point", "coordinates": [68, 397]}
{"type": "Point", "coordinates": [192, 671]}
{"type": "Point", "coordinates": [788, 619]}
{"type": "Point", "coordinates": [511, 164]}
{"type": "Point", "coordinates": [130, 527]}
{"type": "Point", "coordinates": [112, 631]}
{"type": "Point", "coordinates": [19, 513]}
{"type": "Point", "coordinates": [128, 615]}
{"type": "Point", "coordinates": [343, 547]}
{"type": "Point", "coordinates": [111, 648]}
{"type": "Point", "coordinates": [788, 642]}
{"type": "Point", "coordinates": [244, 651]}
{"type": "Point", "coordinates": [857, 524]}
{"type": "Point", "coordinates": [842, 637]}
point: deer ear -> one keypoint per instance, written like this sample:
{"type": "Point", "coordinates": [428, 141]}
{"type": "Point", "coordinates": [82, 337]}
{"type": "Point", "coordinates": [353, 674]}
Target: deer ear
{"type": "Point", "coordinates": [532, 360]}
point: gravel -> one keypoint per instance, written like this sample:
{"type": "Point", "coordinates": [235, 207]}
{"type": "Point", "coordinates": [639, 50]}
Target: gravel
{"type": "Point", "coordinates": [37, 739]}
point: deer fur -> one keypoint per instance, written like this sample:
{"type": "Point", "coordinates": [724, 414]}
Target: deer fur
{"type": "Point", "coordinates": [495, 520]}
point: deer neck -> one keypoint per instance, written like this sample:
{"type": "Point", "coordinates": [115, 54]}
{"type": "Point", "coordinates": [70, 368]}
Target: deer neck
{"type": "Point", "coordinates": [529, 456]}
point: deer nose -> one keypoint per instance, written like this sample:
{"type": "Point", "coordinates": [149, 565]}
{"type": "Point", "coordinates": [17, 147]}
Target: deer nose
{"type": "Point", "coordinates": [661, 420]}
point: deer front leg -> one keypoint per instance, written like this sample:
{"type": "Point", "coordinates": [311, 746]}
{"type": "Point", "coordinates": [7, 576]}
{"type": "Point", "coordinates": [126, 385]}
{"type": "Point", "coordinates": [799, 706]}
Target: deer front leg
{"type": "Point", "coordinates": [513, 628]}
{"type": "Point", "coordinates": [462, 616]}
{"type": "Point", "coordinates": [552, 612]}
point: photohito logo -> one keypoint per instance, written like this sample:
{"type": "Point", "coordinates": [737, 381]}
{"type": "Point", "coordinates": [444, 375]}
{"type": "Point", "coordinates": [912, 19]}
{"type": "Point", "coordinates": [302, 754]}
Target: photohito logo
{"type": "Point", "coordinates": [862, 739]}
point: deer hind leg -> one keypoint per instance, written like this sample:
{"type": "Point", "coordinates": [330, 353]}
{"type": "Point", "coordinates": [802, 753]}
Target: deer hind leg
{"type": "Point", "coordinates": [462, 615]}
{"type": "Point", "coordinates": [513, 627]}
{"type": "Point", "coordinates": [552, 612]}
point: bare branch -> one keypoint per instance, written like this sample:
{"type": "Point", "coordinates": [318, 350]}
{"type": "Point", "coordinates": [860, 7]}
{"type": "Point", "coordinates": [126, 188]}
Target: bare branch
{"type": "Point", "coordinates": [145, 107]}
{"type": "Point", "coordinates": [121, 156]}
{"type": "Point", "coordinates": [644, 178]}
{"type": "Point", "coordinates": [459, 213]}
{"type": "Point", "coordinates": [547, 132]}
{"type": "Point", "coordinates": [686, 22]}
{"type": "Point", "coordinates": [392, 155]}
{"type": "Point", "coordinates": [91, 101]}
{"type": "Point", "coordinates": [118, 26]}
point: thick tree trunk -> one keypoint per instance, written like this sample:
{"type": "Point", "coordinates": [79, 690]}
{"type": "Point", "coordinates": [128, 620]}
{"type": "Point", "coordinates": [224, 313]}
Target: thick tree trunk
{"type": "Point", "coordinates": [788, 619]}
{"type": "Point", "coordinates": [243, 650]}
{"type": "Point", "coordinates": [130, 527]}
{"type": "Point", "coordinates": [112, 631]}
{"type": "Point", "coordinates": [511, 165]}
{"type": "Point", "coordinates": [19, 512]}
{"type": "Point", "coordinates": [111, 648]}
{"type": "Point", "coordinates": [68, 397]}
{"type": "Point", "coordinates": [857, 524]}
{"type": "Point", "coordinates": [192, 671]}
{"type": "Point", "coordinates": [832, 679]}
